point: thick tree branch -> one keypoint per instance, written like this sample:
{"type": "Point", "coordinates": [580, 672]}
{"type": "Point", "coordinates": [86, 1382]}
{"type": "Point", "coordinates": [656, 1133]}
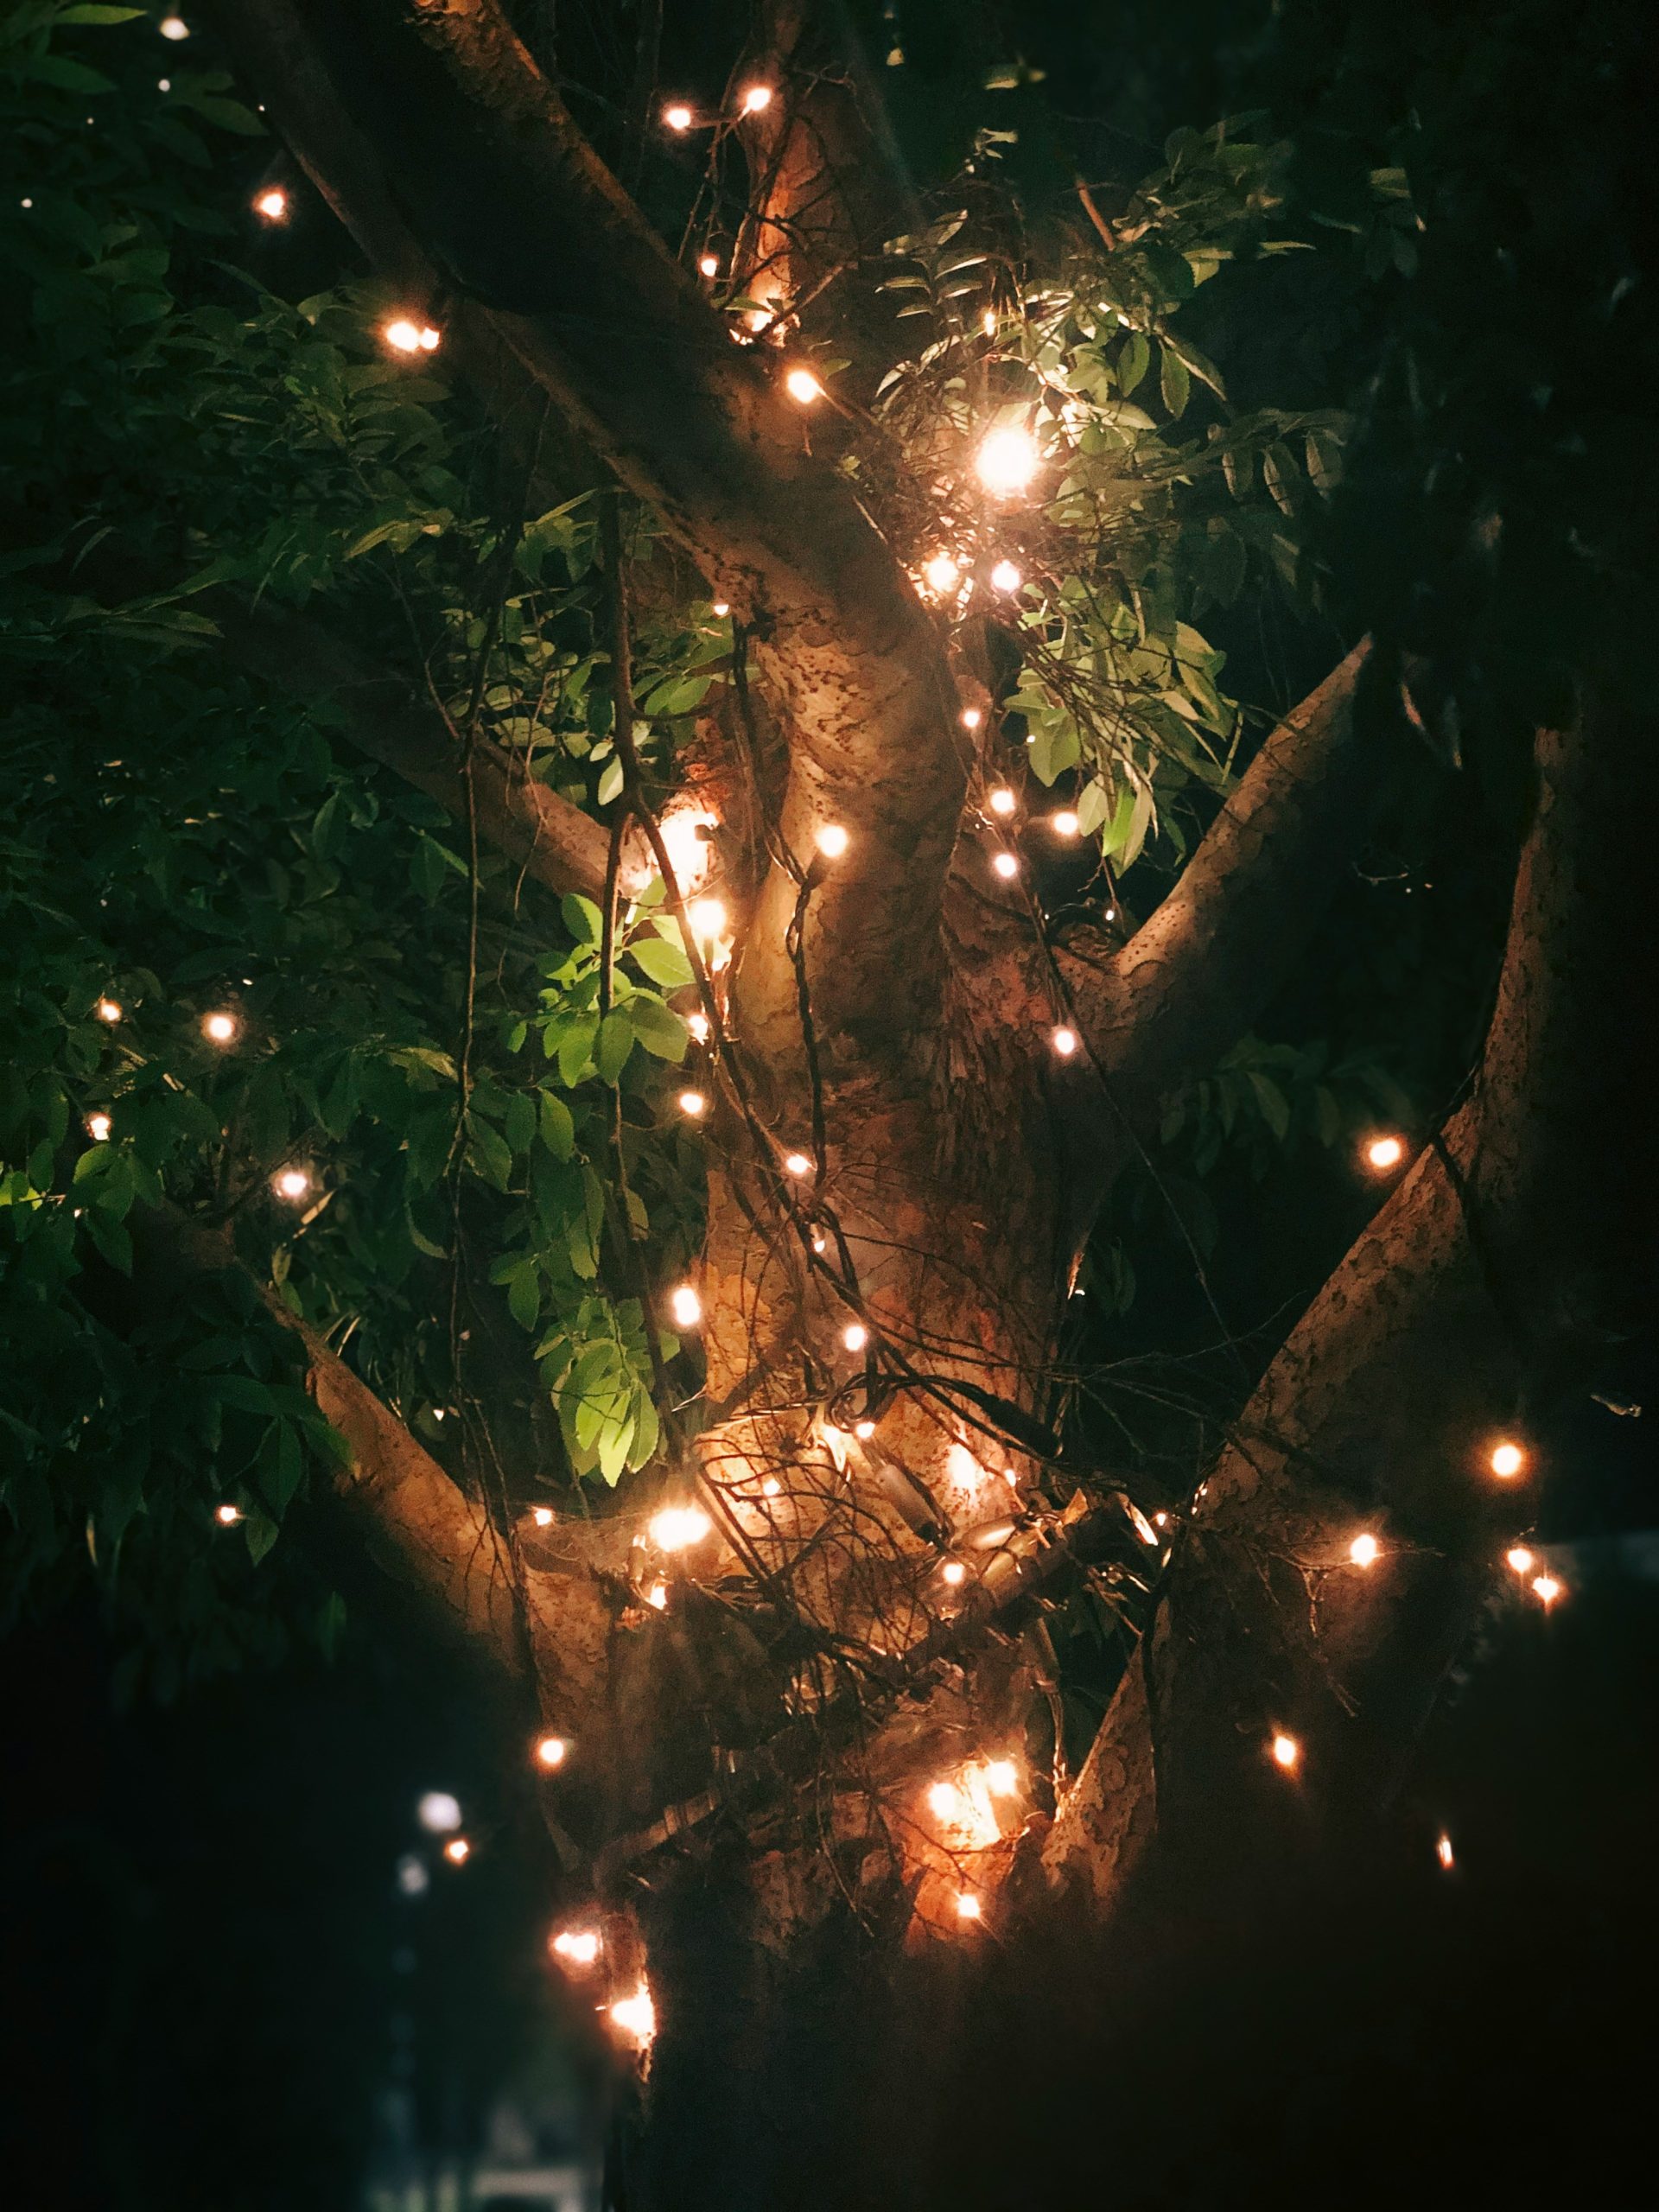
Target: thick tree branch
{"type": "Point", "coordinates": [1494, 1279]}
{"type": "Point", "coordinates": [1193, 977]}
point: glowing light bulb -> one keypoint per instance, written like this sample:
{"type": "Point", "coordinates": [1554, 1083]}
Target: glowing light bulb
{"type": "Point", "coordinates": [1287, 1752]}
{"type": "Point", "coordinates": [693, 1104]}
{"type": "Point", "coordinates": [971, 718]}
{"type": "Point", "coordinates": [677, 116]}
{"type": "Point", "coordinates": [721, 608]}
{"type": "Point", "coordinates": [678, 1527]}
{"type": "Point", "coordinates": [98, 1128]}
{"type": "Point", "coordinates": [430, 339]}
{"type": "Point", "coordinates": [863, 1430]}
{"type": "Point", "coordinates": [954, 1573]}
{"type": "Point", "coordinates": [685, 840]}
{"type": "Point", "coordinates": [227, 1515]}
{"type": "Point", "coordinates": [698, 1025]}
{"type": "Point", "coordinates": [577, 1946]}
{"type": "Point", "coordinates": [1004, 577]}
{"type": "Point", "coordinates": [1001, 1777]}
{"type": "Point", "coordinates": [552, 1751]}
{"type": "Point", "coordinates": [1365, 1551]}
{"type": "Point", "coordinates": [988, 322]}
{"type": "Point", "coordinates": [1383, 1152]}
{"type": "Point", "coordinates": [1064, 823]}
{"type": "Point", "coordinates": [796, 1163]}
{"type": "Point", "coordinates": [1006, 461]}
{"type": "Point", "coordinates": [292, 1182]}
{"type": "Point", "coordinates": [636, 2016]}
{"type": "Point", "coordinates": [1507, 1460]}
{"type": "Point", "coordinates": [802, 387]}
{"type": "Point", "coordinates": [708, 265]}
{"type": "Point", "coordinates": [856, 1336]}
{"type": "Point", "coordinates": [757, 97]}
{"type": "Point", "coordinates": [1064, 1042]}
{"type": "Point", "coordinates": [685, 1306]}
{"type": "Point", "coordinates": [1002, 801]}
{"type": "Point", "coordinates": [657, 1597]}
{"type": "Point", "coordinates": [1005, 866]}
{"type": "Point", "coordinates": [819, 1244]}
{"type": "Point", "coordinates": [968, 1905]}
{"type": "Point", "coordinates": [1443, 1851]}
{"type": "Point", "coordinates": [439, 1812]}
{"type": "Point", "coordinates": [401, 335]}
{"type": "Point", "coordinates": [458, 1851]}
{"type": "Point", "coordinates": [174, 27]}
{"type": "Point", "coordinates": [833, 841]}
{"type": "Point", "coordinates": [707, 919]}
{"type": "Point", "coordinates": [272, 205]}
{"type": "Point", "coordinates": [108, 1009]}
{"type": "Point", "coordinates": [1546, 1589]}
{"type": "Point", "coordinates": [941, 1799]}
{"type": "Point", "coordinates": [219, 1028]}
{"type": "Point", "coordinates": [1519, 1560]}
{"type": "Point", "coordinates": [770, 1487]}
{"type": "Point", "coordinates": [964, 1470]}
{"type": "Point", "coordinates": [941, 574]}
{"type": "Point", "coordinates": [541, 1516]}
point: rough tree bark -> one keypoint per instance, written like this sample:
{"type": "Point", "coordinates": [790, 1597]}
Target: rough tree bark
{"type": "Point", "coordinates": [955, 1159]}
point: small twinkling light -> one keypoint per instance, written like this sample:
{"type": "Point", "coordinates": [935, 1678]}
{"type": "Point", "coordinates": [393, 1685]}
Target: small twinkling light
{"type": "Point", "coordinates": [636, 2016]}
{"type": "Point", "coordinates": [272, 205]}
{"type": "Point", "coordinates": [833, 841]}
{"type": "Point", "coordinates": [708, 918]}
{"type": "Point", "coordinates": [541, 1516]}
{"type": "Point", "coordinates": [1443, 1853]}
{"type": "Point", "coordinates": [1383, 1152]}
{"type": "Point", "coordinates": [552, 1751]}
{"type": "Point", "coordinates": [1546, 1589]}
{"type": "Point", "coordinates": [401, 335]}
{"type": "Point", "coordinates": [1507, 1460]}
{"type": "Point", "coordinates": [863, 1430]}
{"type": "Point", "coordinates": [1006, 461]}
{"type": "Point", "coordinates": [678, 1527]}
{"type": "Point", "coordinates": [677, 116]}
{"type": "Point", "coordinates": [98, 1128]}
{"type": "Point", "coordinates": [721, 608]}
{"type": "Point", "coordinates": [1065, 1041]}
{"type": "Point", "coordinates": [1519, 1560]}
{"type": "Point", "coordinates": [657, 1597]}
{"type": "Point", "coordinates": [458, 1851]}
{"type": "Point", "coordinates": [698, 1025]}
{"type": "Point", "coordinates": [941, 574]}
{"type": "Point", "coordinates": [1064, 823]}
{"type": "Point", "coordinates": [219, 1028]}
{"type": "Point", "coordinates": [757, 97]}
{"type": "Point", "coordinates": [577, 1946]}
{"type": "Point", "coordinates": [1002, 801]}
{"type": "Point", "coordinates": [1286, 1752]}
{"type": "Point", "coordinates": [1001, 1777]}
{"type": "Point", "coordinates": [174, 27]}
{"type": "Point", "coordinates": [1006, 865]}
{"type": "Point", "coordinates": [796, 1163]}
{"type": "Point", "coordinates": [108, 1009]}
{"type": "Point", "coordinates": [802, 387]}
{"type": "Point", "coordinates": [771, 1486]}
{"type": "Point", "coordinates": [971, 718]}
{"type": "Point", "coordinates": [856, 1336]}
{"type": "Point", "coordinates": [227, 1515]}
{"type": "Point", "coordinates": [685, 1306]}
{"type": "Point", "coordinates": [1365, 1551]}
{"type": "Point", "coordinates": [968, 1905]}
{"type": "Point", "coordinates": [708, 265]}
{"type": "Point", "coordinates": [693, 1104]}
{"type": "Point", "coordinates": [293, 1183]}
{"type": "Point", "coordinates": [1006, 577]}
{"type": "Point", "coordinates": [954, 1573]}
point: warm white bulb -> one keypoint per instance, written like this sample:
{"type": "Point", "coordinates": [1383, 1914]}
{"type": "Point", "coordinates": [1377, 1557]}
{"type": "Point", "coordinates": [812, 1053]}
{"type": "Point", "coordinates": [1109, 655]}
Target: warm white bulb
{"type": "Point", "coordinates": [1064, 1042]}
{"type": "Point", "coordinates": [1002, 801]}
{"type": "Point", "coordinates": [439, 1812]}
{"type": "Point", "coordinates": [1064, 822]}
{"type": "Point", "coordinates": [1507, 1460]}
{"type": "Point", "coordinates": [1365, 1551]}
{"type": "Point", "coordinates": [756, 98]}
{"type": "Point", "coordinates": [707, 266]}
{"type": "Point", "coordinates": [988, 322]}
{"type": "Point", "coordinates": [1006, 461]}
{"type": "Point", "coordinates": [1286, 1752]}
{"type": "Point", "coordinates": [856, 1336]}
{"type": "Point", "coordinates": [971, 718]}
{"type": "Point", "coordinates": [430, 339]}
{"type": "Point", "coordinates": [293, 1183]}
{"type": "Point", "coordinates": [98, 1128]}
{"type": "Point", "coordinates": [458, 1851]}
{"type": "Point", "coordinates": [863, 1430]}
{"type": "Point", "coordinates": [941, 574]}
{"type": "Point", "coordinates": [657, 1597]}
{"type": "Point", "coordinates": [219, 1028]}
{"type": "Point", "coordinates": [954, 1573]}
{"type": "Point", "coordinates": [693, 1104]}
{"type": "Point", "coordinates": [802, 387]}
{"type": "Point", "coordinates": [1001, 1777]}
{"type": "Point", "coordinates": [541, 1516]}
{"type": "Point", "coordinates": [796, 1163]}
{"type": "Point", "coordinates": [720, 607]}
{"type": "Point", "coordinates": [962, 1468]}
{"type": "Point", "coordinates": [227, 1515]}
{"type": "Point", "coordinates": [1546, 1589]}
{"type": "Point", "coordinates": [577, 1946]}
{"type": "Point", "coordinates": [708, 918]}
{"type": "Point", "coordinates": [698, 1025]}
{"type": "Point", "coordinates": [677, 116]}
{"type": "Point", "coordinates": [174, 27]}
{"type": "Point", "coordinates": [968, 1905]}
{"type": "Point", "coordinates": [401, 335]}
{"type": "Point", "coordinates": [1443, 1851]}
{"type": "Point", "coordinates": [272, 205]}
{"type": "Point", "coordinates": [1004, 577]}
{"type": "Point", "coordinates": [636, 2016]}
{"type": "Point", "coordinates": [677, 1527]}
{"type": "Point", "coordinates": [1005, 866]}
{"type": "Point", "coordinates": [108, 1009]}
{"type": "Point", "coordinates": [552, 1751]}
{"type": "Point", "coordinates": [1518, 1560]}
{"type": "Point", "coordinates": [685, 1307]}
{"type": "Point", "coordinates": [1383, 1152]}
{"type": "Point", "coordinates": [833, 841]}
{"type": "Point", "coordinates": [771, 1486]}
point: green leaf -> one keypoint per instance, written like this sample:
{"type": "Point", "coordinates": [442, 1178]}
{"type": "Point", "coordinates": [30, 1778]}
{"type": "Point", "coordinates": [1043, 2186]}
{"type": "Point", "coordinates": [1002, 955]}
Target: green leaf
{"type": "Point", "coordinates": [1173, 381]}
{"type": "Point", "coordinates": [1133, 361]}
{"type": "Point", "coordinates": [1276, 1107]}
{"type": "Point", "coordinates": [582, 918]}
{"type": "Point", "coordinates": [524, 1295]}
{"type": "Point", "coordinates": [557, 1126]}
{"type": "Point", "coordinates": [615, 1043]}
{"type": "Point", "coordinates": [662, 960]}
{"type": "Point", "coordinates": [661, 1032]}
{"type": "Point", "coordinates": [521, 1120]}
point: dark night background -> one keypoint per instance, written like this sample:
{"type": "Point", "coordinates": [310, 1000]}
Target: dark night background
{"type": "Point", "coordinates": [212, 1977]}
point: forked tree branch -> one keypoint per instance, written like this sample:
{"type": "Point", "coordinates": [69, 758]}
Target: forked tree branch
{"type": "Point", "coordinates": [1494, 1279]}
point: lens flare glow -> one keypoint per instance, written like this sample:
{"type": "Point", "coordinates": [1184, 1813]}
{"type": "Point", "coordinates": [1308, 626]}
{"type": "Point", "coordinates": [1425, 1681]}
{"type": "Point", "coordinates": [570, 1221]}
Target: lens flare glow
{"type": "Point", "coordinates": [636, 2017]}
{"type": "Point", "coordinates": [293, 1183]}
{"type": "Point", "coordinates": [1007, 462]}
{"type": "Point", "coordinates": [219, 1028]}
{"type": "Point", "coordinates": [1518, 1560]}
{"type": "Point", "coordinates": [1287, 1752]}
{"type": "Point", "coordinates": [578, 1947]}
{"type": "Point", "coordinates": [1383, 1152]}
{"type": "Point", "coordinates": [272, 205]}
{"type": "Point", "coordinates": [1507, 1460]}
{"type": "Point", "coordinates": [802, 387]}
{"type": "Point", "coordinates": [677, 116]}
{"type": "Point", "coordinates": [552, 1751]}
{"type": "Point", "coordinates": [693, 1105]}
{"type": "Point", "coordinates": [971, 718]}
{"type": "Point", "coordinates": [796, 1163]}
{"type": "Point", "coordinates": [678, 1527]}
{"type": "Point", "coordinates": [98, 1128]}
{"type": "Point", "coordinates": [1064, 1042]}
{"type": "Point", "coordinates": [1365, 1551]}
{"type": "Point", "coordinates": [1004, 577]}
{"type": "Point", "coordinates": [685, 1306]}
{"type": "Point", "coordinates": [941, 574]}
{"type": "Point", "coordinates": [108, 1009]}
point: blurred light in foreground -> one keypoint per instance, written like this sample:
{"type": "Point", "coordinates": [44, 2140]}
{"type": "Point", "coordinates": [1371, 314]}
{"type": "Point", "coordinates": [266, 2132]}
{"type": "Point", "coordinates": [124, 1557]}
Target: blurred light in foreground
{"type": "Point", "coordinates": [439, 1812]}
{"type": "Point", "coordinates": [1064, 822]}
{"type": "Point", "coordinates": [413, 1879]}
{"type": "Point", "coordinates": [1006, 461]}
{"type": "Point", "coordinates": [1006, 577]}
{"type": "Point", "coordinates": [577, 1946]}
{"type": "Point", "coordinates": [174, 27]}
{"type": "Point", "coordinates": [941, 574]}
{"type": "Point", "coordinates": [971, 718]}
{"type": "Point", "coordinates": [802, 387]}
{"type": "Point", "coordinates": [693, 1104]}
{"type": "Point", "coordinates": [1002, 801]}
{"type": "Point", "coordinates": [685, 1306]}
{"type": "Point", "coordinates": [954, 1573]}
{"type": "Point", "coordinates": [677, 1527]}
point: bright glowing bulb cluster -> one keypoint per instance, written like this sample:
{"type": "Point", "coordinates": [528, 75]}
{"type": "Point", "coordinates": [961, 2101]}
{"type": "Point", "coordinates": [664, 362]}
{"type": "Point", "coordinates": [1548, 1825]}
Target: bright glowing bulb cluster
{"type": "Point", "coordinates": [678, 1527]}
{"type": "Point", "coordinates": [685, 1306]}
{"type": "Point", "coordinates": [1287, 1752]}
{"type": "Point", "coordinates": [1365, 1551]}
{"type": "Point", "coordinates": [1007, 462]}
{"type": "Point", "coordinates": [1507, 1460]}
{"type": "Point", "coordinates": [1383, 1152]}
{"type": "Point", "coordinates": [406, 337]}
{"type": "Point", "coordinates": [577, 1946]}
{"type": "Point", "coordinates": [963, 1806]}
{"type": "Point", "coordinates": [272, 205]}
{"type": "Point", "coordinates": [552, 1751]}
{"type": "Point", "coordinates": [689, 853]}
{"type": "Point", "coordinates": [636, 2016]}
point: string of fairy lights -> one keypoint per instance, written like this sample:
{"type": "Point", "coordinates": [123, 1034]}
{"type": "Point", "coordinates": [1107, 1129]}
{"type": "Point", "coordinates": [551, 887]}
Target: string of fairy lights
{"type": "Point", "coordinates": [964, 1818]}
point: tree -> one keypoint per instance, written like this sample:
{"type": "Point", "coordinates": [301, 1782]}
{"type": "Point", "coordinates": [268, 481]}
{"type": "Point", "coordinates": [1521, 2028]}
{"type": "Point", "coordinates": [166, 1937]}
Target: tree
{"type": "Point", "coordinates": [720, 608]}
